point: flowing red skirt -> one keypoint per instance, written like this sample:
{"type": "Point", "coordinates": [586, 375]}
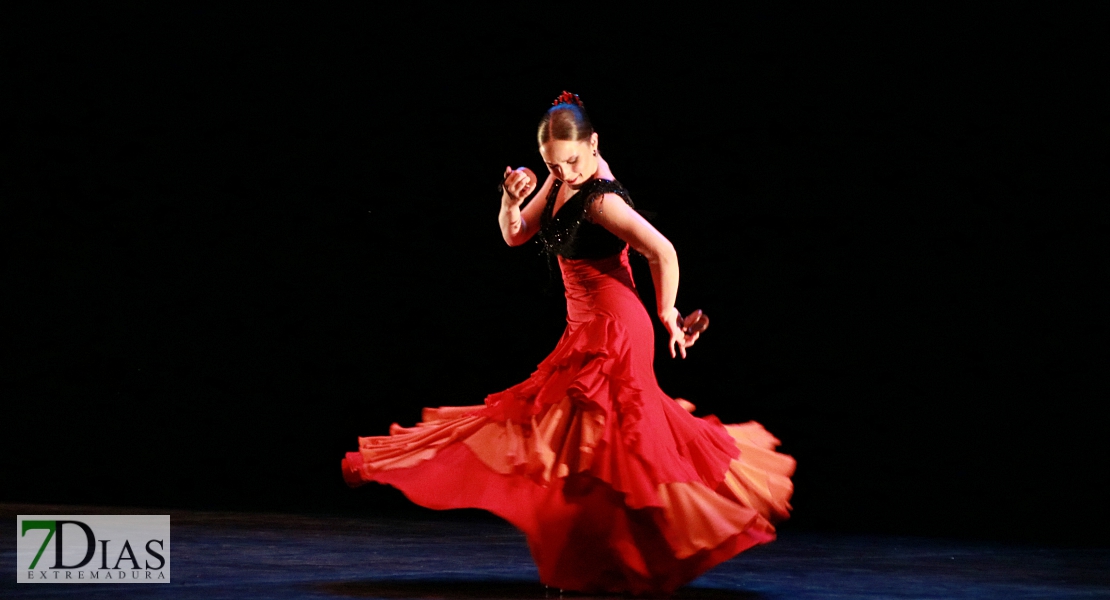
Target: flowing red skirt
{"type": "Point", "coordinates": [616, 486]}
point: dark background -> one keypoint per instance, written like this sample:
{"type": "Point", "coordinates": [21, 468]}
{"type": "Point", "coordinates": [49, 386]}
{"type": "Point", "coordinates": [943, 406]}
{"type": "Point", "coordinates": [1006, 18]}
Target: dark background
{"type": "Point", "coordinates": [237, 239]}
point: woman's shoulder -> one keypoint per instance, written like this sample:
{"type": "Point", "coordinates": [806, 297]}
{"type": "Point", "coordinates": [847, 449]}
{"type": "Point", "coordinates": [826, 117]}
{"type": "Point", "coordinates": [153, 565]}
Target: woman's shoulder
{"type": "Point", "coordinates": [597, 188]}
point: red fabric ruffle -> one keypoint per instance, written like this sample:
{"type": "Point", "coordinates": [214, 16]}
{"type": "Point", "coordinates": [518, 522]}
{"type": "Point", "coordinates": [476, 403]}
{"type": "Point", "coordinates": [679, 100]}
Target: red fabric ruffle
{"type": "Point", "coordinates": [617, 487]}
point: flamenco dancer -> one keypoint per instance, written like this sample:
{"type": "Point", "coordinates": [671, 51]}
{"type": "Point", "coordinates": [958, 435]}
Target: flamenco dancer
{"type": "Point", "coordinates": [616, 485]}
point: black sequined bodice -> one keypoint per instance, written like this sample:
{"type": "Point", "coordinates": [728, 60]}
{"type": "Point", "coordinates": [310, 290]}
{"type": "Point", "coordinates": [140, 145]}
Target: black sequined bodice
{"type": "Point", "coordinates": [569, 233]}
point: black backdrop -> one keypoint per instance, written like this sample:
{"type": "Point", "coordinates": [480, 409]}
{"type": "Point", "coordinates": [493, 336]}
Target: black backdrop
{"type": "Point", "coordinates": [235, 241]}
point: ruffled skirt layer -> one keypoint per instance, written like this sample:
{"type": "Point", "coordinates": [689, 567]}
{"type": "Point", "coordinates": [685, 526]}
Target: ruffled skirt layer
{"type": "Point", "coordinates": [616, 486]}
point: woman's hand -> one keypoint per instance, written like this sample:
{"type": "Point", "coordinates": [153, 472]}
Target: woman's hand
{"type": "Point", "coordinates": [516, 186]}
{"type": "Point", "coordinates": [672, 320]}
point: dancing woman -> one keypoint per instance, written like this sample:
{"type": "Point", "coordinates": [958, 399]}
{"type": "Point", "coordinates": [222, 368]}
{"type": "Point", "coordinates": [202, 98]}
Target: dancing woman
{"type": "Point", "coordinates": [617, 486]}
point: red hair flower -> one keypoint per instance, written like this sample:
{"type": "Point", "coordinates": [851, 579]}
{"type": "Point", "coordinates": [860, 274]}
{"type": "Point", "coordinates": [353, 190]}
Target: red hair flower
{"type": "Point", "coordinates": [567, 98]}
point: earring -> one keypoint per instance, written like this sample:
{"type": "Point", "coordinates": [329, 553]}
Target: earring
{"type": "Point", "coordinates": [595, 151]}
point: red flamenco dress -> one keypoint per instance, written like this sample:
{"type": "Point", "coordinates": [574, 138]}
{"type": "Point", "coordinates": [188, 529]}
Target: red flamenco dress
{"type": "Point", "coordinates": [615, 485]}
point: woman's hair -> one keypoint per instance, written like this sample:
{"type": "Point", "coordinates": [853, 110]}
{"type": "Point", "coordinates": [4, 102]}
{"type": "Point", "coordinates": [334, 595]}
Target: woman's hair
{"type": "Point", "coordinates": [566, 121]}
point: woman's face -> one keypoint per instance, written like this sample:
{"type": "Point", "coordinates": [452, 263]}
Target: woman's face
{"type": "Point", "coordinates": [572, 162]}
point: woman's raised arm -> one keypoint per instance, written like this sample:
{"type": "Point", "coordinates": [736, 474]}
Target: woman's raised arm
{"type": "Point", "coordinates": [519, 225]}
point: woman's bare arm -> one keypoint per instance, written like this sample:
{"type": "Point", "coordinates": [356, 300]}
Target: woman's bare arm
{"type": "Point", "coordinates": [518, 225]}
{"type": "Point", "coordinates": [611, 212]}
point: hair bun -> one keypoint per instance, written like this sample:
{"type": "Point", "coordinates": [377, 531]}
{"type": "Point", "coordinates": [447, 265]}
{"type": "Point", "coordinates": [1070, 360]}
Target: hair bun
{"type": "Point", "coordinates": [567, 98]}
{"type": "Point", "coordinates": [566, 120]}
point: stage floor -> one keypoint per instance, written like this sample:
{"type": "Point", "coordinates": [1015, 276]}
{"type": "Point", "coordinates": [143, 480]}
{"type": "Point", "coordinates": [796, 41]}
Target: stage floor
{"type": "Point", "coordinates": [219, 555]}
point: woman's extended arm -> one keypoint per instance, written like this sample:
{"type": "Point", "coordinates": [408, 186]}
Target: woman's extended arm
{"type": "Point", "coordinates": [610, 211]}
{"type": "Point", "coordinates": [518, 225]}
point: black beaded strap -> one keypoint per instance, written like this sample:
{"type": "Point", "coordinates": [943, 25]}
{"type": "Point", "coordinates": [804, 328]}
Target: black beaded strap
{"type": "Point", "coordinates": [599, 187]}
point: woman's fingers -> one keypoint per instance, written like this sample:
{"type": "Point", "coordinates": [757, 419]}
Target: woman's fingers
{"type": "Point", "coordinates": [517, 183]}
{"type": "Point", "coordinates": [678, 341]}
{"type": "Point", "coordinates": [522, 184]}
{"type": "Point", "coordinates": [678, 338]}
{"type": "Point", "coordinates": [525, 181]}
